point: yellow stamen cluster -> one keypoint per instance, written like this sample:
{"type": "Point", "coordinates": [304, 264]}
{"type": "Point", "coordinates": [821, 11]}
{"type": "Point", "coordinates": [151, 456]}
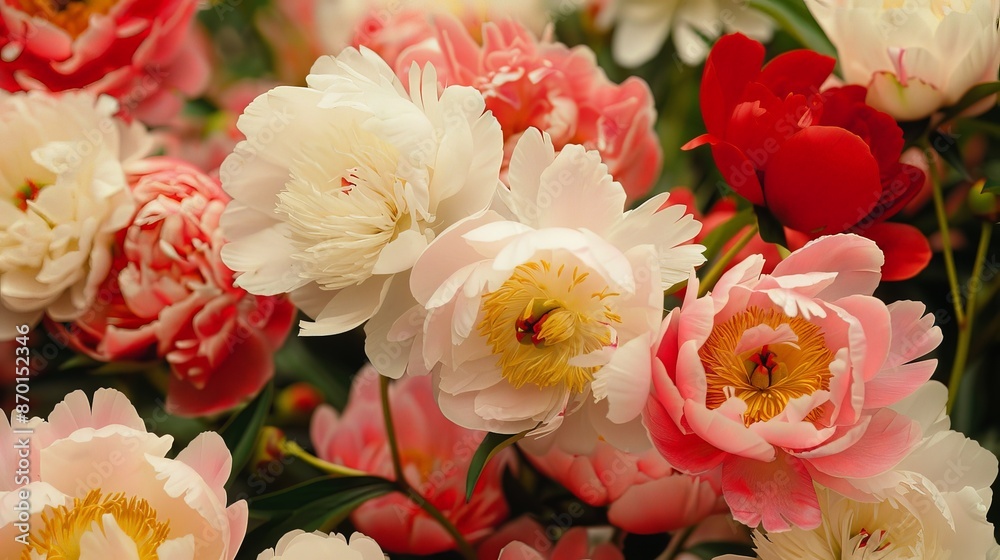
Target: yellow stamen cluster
{"type": "Point", "coordinates": [71, 15]}
{"type": "Point", "coordinates": [542, 317]}
{"type": "Point", "coordinates": [766, 377]}
{"type": "Point", "coordinates": [63, 527]}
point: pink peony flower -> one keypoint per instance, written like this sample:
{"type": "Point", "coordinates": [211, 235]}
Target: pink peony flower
{"type": "Point", "coordinates": [644, 493]}
{"type": "Point", "coordinates": [101, 485]}
{"type": "Point", "coordinates": [171, 296]}
{"type": "Point", "coordinates": [525, 539]}
{"type": "Point", "coordinates": [529, 82]}
{"type": "Point", "coordinates": [435, 454]}
{"type": "Point", "coordinates": [141, 53]}
{"type": "Point", "coordinates": [778, 381]}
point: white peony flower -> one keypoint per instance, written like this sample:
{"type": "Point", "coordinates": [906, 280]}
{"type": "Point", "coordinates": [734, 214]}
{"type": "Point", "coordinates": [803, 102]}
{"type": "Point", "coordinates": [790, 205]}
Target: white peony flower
{"type": "Point", "coordinates": [63, 195]}
{"type": "Point", "coordinates": [298, 544]}
{"type": "Point", "coordinates": [642, 26]}
{"type": "Point", "coordinates": [341, 185]}
{"type": "Point", "coordinates": [915, 56]}
{"type": "Point", "coordinates": [932, 505]}
{"type": "Point", "coordinates": [549, 315]}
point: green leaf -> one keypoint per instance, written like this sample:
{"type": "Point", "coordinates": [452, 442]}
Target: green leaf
{"type": "Point", "coordinates": [308, 515]}
{"type": "Point", "coordinates": [798, 23]}
{"type": "Point", "coordinates": [723, 233]}
{"type": "Point", "coordinates": [240, 432]}
{"type": "Point", "coordinates": [298, 362]}
{"type": "Point", "coordinates": [947, 146]}
{"type": "Point", "coordinates": [994, 188]}
{"type": "Point", "coordinates": [291, 499]}
{"type": "Point", "coordinates": [771, 230]}
{"type": "Point", "coordinates": [491, 445]}
{"type": "Point", "coordinates": [710, 550]}
{"type": "Point", "coordinates": [971, 97]}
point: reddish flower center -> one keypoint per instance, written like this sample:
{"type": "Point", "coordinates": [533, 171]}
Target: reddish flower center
{"type": "Point", "coordinates": [27, 193]}
{"type": "Point", "coordinates": [71, 15]}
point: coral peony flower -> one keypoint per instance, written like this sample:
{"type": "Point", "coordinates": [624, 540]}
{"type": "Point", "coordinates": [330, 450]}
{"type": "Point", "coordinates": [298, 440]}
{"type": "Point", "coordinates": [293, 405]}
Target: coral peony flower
{"type": "Point", "coordinates": [101, 486]}
{"type": "Point", "coordinates": [389, 26]}
{"type": "Point", "coordinates": [321, 546]}
{"type": "Point", "coordinates": [914, 57]}
{"type": "Point", "coordinates": [170, 296]}
{"type": "Point", "coordinates": [933, 508]}
{"type": "Point", "coordinates": [525, 539]}
{"type": "Point", "coordinates": [641, 27]}
{"type": "Point", "coordinates": [141, 53]}
{"type": "Point", "coordinates": [550, 316]}
{"type": "Point", "coordinates": [529, 82]}
{"type": "Point", "coordinates": [776, 381]}
{"type": "Point", "coordinates": [821, 162]}
{"type": "Point", "coordinates": [644, 493]}
{"type": "Point", "coordinates": [63, 195]}
{"type": "Point", "coordinates": [341, 185]}
{"type": "Point", "coordinates": [435, 453]}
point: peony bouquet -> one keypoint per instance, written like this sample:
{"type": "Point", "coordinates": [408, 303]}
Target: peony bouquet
{"type": "Point", "coordinates": [499, 280]}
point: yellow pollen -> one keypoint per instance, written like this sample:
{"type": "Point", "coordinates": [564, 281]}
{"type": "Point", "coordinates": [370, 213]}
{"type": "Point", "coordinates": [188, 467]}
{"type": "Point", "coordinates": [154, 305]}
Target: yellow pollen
{"type": "Point", "coordinates": [71, 15]}
{"type": "Point", "coordinates": [766, 377]}
{"type": "Point", "coordinates": [544, 316]}
{"type": "Point", "coordinates": [63, 527]}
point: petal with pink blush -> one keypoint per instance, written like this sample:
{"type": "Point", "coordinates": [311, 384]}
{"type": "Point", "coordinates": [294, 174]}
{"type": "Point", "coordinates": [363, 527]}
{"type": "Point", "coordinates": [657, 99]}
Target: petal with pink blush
{"type": "Point", "coordinates": [887, 439]}
{"type": "Point", "coordinates": [856, 260]}
{"type": "Point", "coordinates": [778, 494]}
{"type": "Point", "coordinates": [208, 455]}
{"type": "Point", "coordinates": [686, 452]}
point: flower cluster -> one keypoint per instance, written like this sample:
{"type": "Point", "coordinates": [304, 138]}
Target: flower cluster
{"type": "Point", "coordinates": [416, 277]}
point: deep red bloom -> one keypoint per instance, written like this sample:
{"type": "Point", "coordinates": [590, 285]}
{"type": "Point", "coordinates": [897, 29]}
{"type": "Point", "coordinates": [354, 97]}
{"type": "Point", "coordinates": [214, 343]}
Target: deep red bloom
{"type": "Point", "coordinates": [822, 161]}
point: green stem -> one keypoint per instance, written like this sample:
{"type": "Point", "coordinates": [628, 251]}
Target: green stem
{"type": "Point", "coordinates": [404, 487]}
{"type": "Point", "coordinates": [676, 544]}
{"type": "Point", "coordinates": [295, 450]}
{"type": "Point", "coordinates": [719, 267]}
{"type": "Point", "coordinates": [965, 327]}
{"type": "Point", "coordinates": [942, 218]}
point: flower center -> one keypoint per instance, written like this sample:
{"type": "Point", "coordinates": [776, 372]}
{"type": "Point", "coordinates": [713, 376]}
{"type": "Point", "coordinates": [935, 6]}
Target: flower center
{"type": "Point", "coordinates": [766, 359]}
{"type": "Point", "coordinates": [71, 15]}
{"type": "Point", "coordinates": [343, 210]}
{"type": "Point", "coordinates": [27, 193]}
{"type": "Point", "coordinates": [63, 527]}
{"type": "Point", "coordinates": [542, 318]}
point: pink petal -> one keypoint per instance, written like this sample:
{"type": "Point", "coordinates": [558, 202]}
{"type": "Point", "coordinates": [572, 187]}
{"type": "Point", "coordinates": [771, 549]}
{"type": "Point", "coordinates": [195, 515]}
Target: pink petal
{"type": "Point", "coordinates": [889, 437]}
{"type": "Point", "coordinates": [779, 493]}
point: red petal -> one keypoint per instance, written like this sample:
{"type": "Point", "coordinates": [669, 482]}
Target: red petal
{"type": "Point", "coordinates": [734, 62]}
{"type": "Point", "coordinates": [739, 172]}
{"type": "Point", "coordinates": [684, 452]}
{"type": "Point", "coordinates": [822, 181]}
{"type": "Point", "coordinates": [800, 71]}
{"type": "Point", "coordinates": [907, 251]}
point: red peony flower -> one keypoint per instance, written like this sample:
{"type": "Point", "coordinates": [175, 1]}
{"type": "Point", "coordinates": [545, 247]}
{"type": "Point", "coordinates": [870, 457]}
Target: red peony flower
{"type": "Point", "coordinates": [139, 52]}
{"type": "Point", "coordinates": [170, 296]}
{"type": "Point", "coordinates": [822, 162]}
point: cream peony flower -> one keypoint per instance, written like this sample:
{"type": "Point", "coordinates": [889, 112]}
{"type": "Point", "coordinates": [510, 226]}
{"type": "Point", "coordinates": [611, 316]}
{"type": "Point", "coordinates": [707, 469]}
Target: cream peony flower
{"type": "Point", "coordinates": [101, 486]}
{"type": "Point", "coordinates": [298, 544]}
{"type": "Point", "coordinates": [915, 56]}
{"type": "Point", "coordinates": [932, 506]}
{"type": "Point", "coordinates": [341, 185]}
{"type": "Point", "coordinates": [547, 318]}
{"type": "Point", "coordinates": [63, 195]}
{"type": "Point", "coordinates": [642, 26]}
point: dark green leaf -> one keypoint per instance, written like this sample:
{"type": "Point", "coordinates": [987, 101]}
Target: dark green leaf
{"type": "Point", "coordinates": [947, 146]}
{"type": "Point", "coordinates": [797, 23]}
{"type": "Point", "coordinates": [491, 445]}
{"type": "Point", "coordinates": [309, 516]}
{"type": "Point", "coordinates": [973, 96]}
{"type": "Point", "coordinates": [291, 499]}
{"type": "Point", "coordinates": [723, 233]}
{"type": "Point", "coordinates": [771, 229]}
{"type": "Point", "coordinates": [240, 432]}
{"type": "Point", "coordinates": [298, 362]}
{"type": "Point", "coordinates": [994, 188]}
{"type": "Point", "coordinates": [710, 550]}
